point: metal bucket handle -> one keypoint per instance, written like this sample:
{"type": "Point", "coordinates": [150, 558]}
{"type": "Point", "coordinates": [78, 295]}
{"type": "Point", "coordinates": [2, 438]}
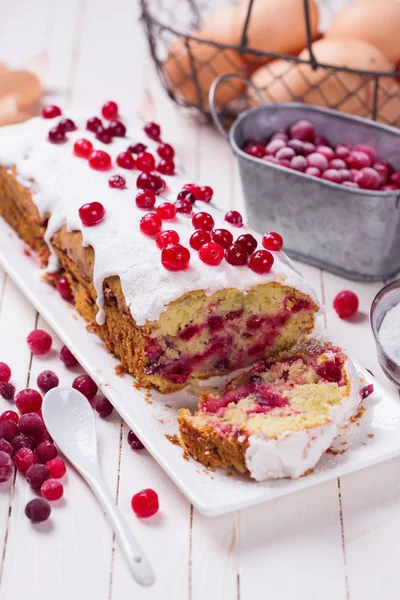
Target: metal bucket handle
{"type": "Point", "coordinates": [213, 91]}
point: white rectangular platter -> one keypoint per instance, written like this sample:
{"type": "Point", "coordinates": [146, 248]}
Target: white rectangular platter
{"type": "Point", "coordinates": [153, 416]}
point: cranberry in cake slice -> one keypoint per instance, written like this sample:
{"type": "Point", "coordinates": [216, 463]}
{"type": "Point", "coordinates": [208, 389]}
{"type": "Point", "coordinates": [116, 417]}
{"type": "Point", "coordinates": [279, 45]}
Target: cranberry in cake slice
{"type": "Point", "coordinates": [277, 419]}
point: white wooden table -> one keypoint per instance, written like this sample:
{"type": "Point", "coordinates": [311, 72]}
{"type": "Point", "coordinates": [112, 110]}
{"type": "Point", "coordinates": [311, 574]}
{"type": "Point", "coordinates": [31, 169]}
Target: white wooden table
{"type": "Point", "coordinates": [336, 541]}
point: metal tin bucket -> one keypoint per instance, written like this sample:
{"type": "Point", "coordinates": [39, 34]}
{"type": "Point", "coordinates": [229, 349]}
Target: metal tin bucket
{"type": "Point", "coordinates": [352, 232]}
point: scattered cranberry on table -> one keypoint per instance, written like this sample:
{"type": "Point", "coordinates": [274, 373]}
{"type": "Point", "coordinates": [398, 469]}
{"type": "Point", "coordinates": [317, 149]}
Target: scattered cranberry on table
{"type": "Point", "coordinates": [186, 195]}
{"type": "Point", "coordinates": [103, 135]}
{"type": "Point", "coordinates": [56, 467]}
{"type": "Point", "coordinates": [8, 430]}
{"type": "Point", "coordinates": [166, 151]}
{"type": "Point", "coordinates": [47, 380]}
{"type": "Point", "coordinates": [134, 441]}
{"type": "Point", "coordinates": [39, 342]}
{"type": "Point", "coordinates": [166, 167]}
{"type": "Point", "coordinates": [38, 510]}
{"type": "Point", "coordinates": [5, 373]}
{"type": "Point", "coordinates": [28, 401]}
{"type": "Point", "coordinates": [31, 424]}
{"type": "Point", "coordinates": [151, 181]}
{"type": "Point", "coordinates": [183, 205]}
{"type": "Point", "coordinates": [6, 467]}
{"type": "Point", "coordinates": [67, 357]}
{"type": "Point", "coordinates": [9, 415]}
{"type": "Point", "coordinates": [46, 451]}
{"type": "Point", "coordinates": [85, 385]}
{"type": "Point", "coordinates": [137, 148]}
{"type": "Point", "coordinates": [145, 503]}
{"type": "Point", "coordinates": [24, 458]}
{"type": "Point", "coordinates": [104, 408]}
{"type": "Point", "coordinates": [92, 213]}
{"type": "Point", "coordinates": [346, 304]}
{"type": "Point", "coordinates": [36, 475]}
{"type": "Point", "coordinates": [51, 111]}
{"type": "Point", "coordinates": [93, 124]}
{"type": "Point", "coordinates": [52, 490]}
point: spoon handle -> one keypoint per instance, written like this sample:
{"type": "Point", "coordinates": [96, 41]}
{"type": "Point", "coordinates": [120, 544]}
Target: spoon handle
{"type": "Point", "coordinates": [138, 564]}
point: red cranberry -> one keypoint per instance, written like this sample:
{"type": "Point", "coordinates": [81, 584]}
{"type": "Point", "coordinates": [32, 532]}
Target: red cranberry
{"type": "Point", "coordinates": [67, 357]}
{"type": "Point", "coordinates": [67, 125]}
{"type": "Point", "coordinates": [280, 135]}
{"type": "Point", "coordinates": [211, 254]}
{"type": "Point", "coordinates": [223, 237]}
{"type": "Point", "coordinates": [117, 181]}
{"type": "Point", "coordinates": [332, 175]}
{"type": "Point", "coordinates": [39, 341]}
{"type": "Point", "coordinates": [186, 195]}
{"type": "Point", "coordinates": [8, 430]}
{"type": "Point", "coordinates": [37, 510]}
{"type": "Point", "coordinates": [345, 304]}
{"type": "Point", "coordinates": [145, 162]}
{"type": "Point", "coordinates": [52, 490]}
{"type": "Point", "coordinates": [298, 163]}
{"type": "Point", "coordinates": [6, 446]}
{"type": "Point", "coordinates": [285, 153]}
{"type": "Point", "coordinates": [350, 184]}
{"type": "Point", "coordinates": [345, 174]}
{"type": "Point", "coordinates": [296, 145]}
{"type": "Point", "coordinates": [194, 189]}
{"type": "Point", "coordinates": [24, 458]}
{"type": "Point", "coordinates": [367, 150]}
{"type": "Point", "coordinates": [283, 162]}
{"type": "Point", "coordinates": [6, 467]}
{"type": "Point", "coordinates": [145, 503]}
{"type": "Point", "coordinates": [93, 124]}
{"type": "Point", "coordinates": [383, 172]}
{"type": "Point", "coordinates": [395, 179]}
{"type": "Point", "coordinates": [165, 151]}
{"type": "Point", "coordinates": [317, 160]}
{"type": "Point", "coordinates": [321, 140]}
{"type": "Point", "coordinates": [104, 408]}
{"type": "Point", "coordinates": [150, 224]}
{"type": "Point", "coordinates": [167, 237]}
{"type": "Point", "coordinates": [342, 150]}
{"type": "Point", "coordinates": [104, 135]}
{"type": "Point", "coordinates": [51, 111]}
{"type": "Point", "coordinates": [353, 173]}
{"type": "Point", "coordinates": [206, 193]}
{"type": "Point", "coordinates": [183, 206]}
{"type": "Point", "coordinates": [302, 130]}
{"type": "Point", "coordinates": [166, 167]}
{"type": "Point", "coordinates": [9, 415]}
{"type": "Point", "coordinates": [248, 241]}
{"type": "Point", "coordinates": [28, 401]}
{"type": "Point", "coordinates": [150, 181]}
{"type": "Point", "coordinates": [100, 160]}
{"type": "Point", "coordinates": [308, 148]}
{"type": "Point", "coordinates": [166, 211]}
{"type": "Point", "coordinates": [22, 441]}
{"type": "Point", "coordinates": [125, 160]}
{"type": "Point", "coordinates": [7, 391]}
{"type": "Point", "coordinates": [272, 241]}
{"type": "Point", "coordinates": [234, 218]}
{"type": "Point", "coordinates": [236, 255]}
{"type": "Point", "coordinates": [257, 150]}
{"type": "Point", "coordinates": [64, 289]}
{"type": "Point", "coordinates": [57, 135]}
{"type": "Point", "coordinates": [199, 238]}
{"type": "Point", "coordinates": [117, 129]}
{"type": "Point", "coordinates": [358, 160]}
{"type": "Point", "coordinates": [137, 148]}
{"type": "Point", "coordinates": [153, 131]}
{"type": "Point", "coordinates": [203, 220]}
{"type": "Point", "coordinates": [145, 199]}
{"type": "Point", "coordinates": [109, 110]}
{"type": "Point", "coordinates": [47, 380]}
{"type": "Point", "coordinates": [367, 179]}
{"type": "Point", "coordinates": [134, 441]}
{"type": "Point", "coordinates": [83, 148]}
{"type": "Point", "coordinates": [46, 451]}
{"type": "Point", "coordinates": [391, 187]}
{"type": "Point", "coordinates": [175, 257]}
{"type": "Point", "coordinates": [85, 385]}
{"type": "Point", "coordinates": [5, 373]}
{"type": "Point", "coordinates": [261, 262]}
{"type": "Point", "coordinates": [275, 145]}
{"type": "Point", "coordinates": [326, 151]}
{"type": "Point", "coordinates": [313, 171]}
{"type": "Point", "coordinates": [92, 213]}
{"type": "Point", "coordinates": [31, 424]}
{"type": "Point", "coordinates": [57, 468]}
{"type": "Point", "coordinates": [337, 163]}
{"type": "Point", "coordinates": [36, 475]}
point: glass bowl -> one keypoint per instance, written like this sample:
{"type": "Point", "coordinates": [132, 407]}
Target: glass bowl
{"type": "Point", "coordinates": [385, 299]}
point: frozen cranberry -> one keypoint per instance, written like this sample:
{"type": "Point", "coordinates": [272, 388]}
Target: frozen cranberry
{"type": "Point", "coordinates": [137, 148]}
{"type": "Point", "coordinates": [7, 391]}
{"type": "Point", "coordinates": [93, 124]}
{"type": "Point", "coordinates": [64, 289]}
{"type": "Point", "coordinates": [6, 446]}
{"type": "Point", "coordinates": [57, 468]}
{"type": "Point", "coordinates": [332, 175]}
{"type": "Point", "coordinates": [145, 199]}
{"type": "Point", "coordinates": [317, 160]}
{"type": "Point", "coordinates": [274, 161]}
{"type": "Point", "coordinates": [283, 162]}
{"type": "Point", "coordinates": [67, 357]}
{"type": "Point", "coordinates": [109, 110]}
{"type": "Point", "coordinates": [6, 467]}
{"type": "Point", "coordinates": [199, 238]}
{"type": "Point", "coordinates": [234, 218]}
{"type": "Point", "coordinates": [8, 430]}
{"type": "Point", "coordinates": [326, 151]}
{"type": "Point", "coordinates": [51, 490]}
{"type": "Point", "coordinates": [83, 148]}
{"type": "Point", "coordinates": [272, 241]}
{"type": "Point", "coordinates": [274, 145]}
{"type": "Point", "coordinates": [358, 160]}
{"type": "Point", "coordinates": [100, 160]}
{"type": "Point", "coordinates": [165, 151]}
{"type": "Point", "coordinates": [345, 304]}
{"type": "Point", "coordinates": [183, 206]}
{"type": "Point", "coordinates": [296, 145]}
{"type": "Point", "coordinates": [46, 451]}
{"type": "Point", "coordinates": [51, 111]}
{"type": "Point", "coordinates": [353, 173]}
{"type": "Point", "coordinates": [285, 153]}
{"type": "Point", "coordinates": [5, 373]}
{"type": "Point", "coordinates": [261, 262]}
{"type": "Point", "coordinates": [302, 130]}
{"type": "Point", "coordinates": [382, 171]}
{"type": "Point", "coordinates": [117, 181]}
{"type": "Point", "coordinates": [308, 148]}
{"type": "Point", "coordinates": [31, 424]}
{"type": "Point", "coordinates": [28, 401]}
{"type": "Point", "coordinates": [344, 174]}
{"type": "Point", "coordinates": [313, 171]}
{"type": "Point", "coordinates": [104, 407]}
{"type": "Point", "coordinates": [134, 441]}
{"type": "Point", "coordinates": [153, 131]}
{"type": "Point", "coordinates": [390, 187]}
{"type": "Point", "coordinates": [145, 162]}
{"type": "Point", "coordinates": [367, 179]}
{"type": "Point", "coordinates": [150, 181]}
{"type": "Point", "coordinates": [223, 237]}
{"type": "Point", "coordinates": [67, 125]}
{"type": "Point", "coordinates": [166, 211]}
{"type": "Point", "coordinates": [194, 189]}
{"type": "Point", "coordinates": [167, 237]}
{"type": "Point", "coordinates": [85, 385]}
{"type": "Point", "coordinates": [211, 254]}
{"type": "Point", "coordinates": [39, 341]}
{"type": "Point", "coordinates": [175, 257]}
{"type": "Point", "coordinates": [150, 224]}
{"type": "Point", "coordinates": [350, 184]}
{"type": "Point", "coordinates": [203, 220]}
{"type": "Point", "coordinates": [166, 167]}
{"type": "Point", "coordinates": [37, 510]}
{"type": "Point", "coordinates": [298, 163]}
{"type": "Point", "coordinates": [47, 380]}
{"type": "Point", "coordinates": [337, 163]}
{"type": "Point", "coordinates": [145, 503]}
{"type": "Point", "coordinates": [125, 160]}
{"type": "Point", "coordinates": [22, 441]}
{"type": "Point", "coordinates": [57, 135]}
{"type": "Point", "coordinates": [236, 255]}
{"type": "Point", "coordinates": [24, 458]}
{"type": "Point", "coordinates": [117, 129]}
{"type": "Point", "coordinates": [280, 135]}
{"type": "Point", "coordinates": [9, 415]}
{"type": "Point", "coordinates": [367, 150]}
{"type": "Point", "coordinates": [92, 213]}
{"type": "Point", "coordinates": [395, 179]}
{"type": "Point", "coordinates": [36, 475]}
{"type": "Point", "coordinates": [206, 193]}
{"type": "Point", "coordinates": [257, 150]}
{"type": "Point", "coordinates": [342, 150]}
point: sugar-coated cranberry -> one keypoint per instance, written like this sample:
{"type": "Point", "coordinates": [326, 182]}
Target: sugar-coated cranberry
{"type": "Point", "coordinates": [36, 475]}
{"type": "Point", "coordinates": [5, 373]}
{"type": "Point", "coordinates": [24, 458]}
{"type": "Point", "coordinates": [93, 124]}
{"type": "Point", "coordinates": [194, 189]}
{"type": "Point", "coordinates": [248, 241]}
{"type": "Point", "coordinates": [367, 179]}
{"type": "Point", "coordinates": [51, 111]}
{"type": "Point", "coordinates": [342, 150]}
{"type": "Point", "coordinates": [236, 255]}
{"type": "Point", "coordinates": [261, 262]}
{"type": "Point", "coordinates": [223, 237]}
{"type": "Point", "coordinates": [145, 199]}
{"type": "Point", "coordinates": [257, 150]}
{"type": "Point", "coordinates": [302, 130]}
{"type": "Point", "coordinates": [166, 151]}
{"type": "Point", "coordinates": [52, 490]}
{"type": "Point", "coordinates": [345, 304]}
{"type": "Point", "coordinates": [350, 184]}
{"type": "Point", "coordinates": [332, 175]}
{"type": "Point", "coordinates": [285, 153]}
{"type": "Point", "coordinates": [37, 510]}
{"type": "Point", "coordinates": [6, 466]}
{"type": "Point", "coordinates": [167, 237]}
{"type": "Point", "coordinates": [6, 447]}
{"type": "Point", "coordinates": [46, 451]}
{"type": "Point", "coordinates": [382, 171]}
{"type": "Point", "coordinates": [321, 140]}
{"type": "Point", "coordinates": [203, 220]}
{"type": "Point", "coordinates": [117, 181]}
{"type": "Point", "coordinates": [357, 159]}
{"type": "Point", "coordinates": [337, 163]}
{"type": "Point", "coordinates": [211, 253]}
{"type": "Point", "coordinates": [134, 441]}
{"type": "Point", "coordinates": [279, 135]}
{"type": "Point", "coordinates": [67, 125]}
{"type": "Point", "coordinates": [387, 164]}
{"type": "Point", "coordinates": [150, 181]}
{"type": "Point", "coordinates": [117, 129]}
{"type": "Point", "coordinates": [298, 163]}
{"type": "Point", "coordinates": [367, 150]}
{"type": "Point", "coordinates": [326, 151]}
{"type": "Point", "coordinates": [57, 135]}
{"type": "Point", "coordinates": [296, 145]}
{"type": "Point", "coordinates": [109, 110]}
{"type": "Point", "coordinates": [167, 211]}
{"type": "Point", "coordinates": [274, 145]}
{"type": "Point", "coordinates": [85, 385]}
{"type": "Point", "coordinates": [153, 131]}
{"type": "Point", "coordinates": [39, 341]}
{"type": "Point", "coordinates": [272, 241]}
{"type": "Point", "coordinates": [92, 213]}
{"type": "Point", "coordinates": [100, 160]}
{"type": "Point", "coordinates": [345, 174]}
{"type": "Point", "coordinates": [47, 380]}
{"type": "Point", "coordinates": [175, 257]}
{"type": "Point", "coordinates": [145, 503]}
{"type": "Point", "coordinates": [56, 467]}
{"type": "Point", "coordinates": [183, 206]}
{"type": "Point", "coordinates": [145, 161]}
{"type": "Point", "coordinates": [125, 160]}
{"type": "Point", "coordinates": [395, 179]}
{"type": "Point", "coordinates": [22, 441]}
{"type": "Point", "coordinates": [199, 238]}
{"type": "Point", "coordinates": [166, 167]}
{"type": "Point", "coordinates": [64, 289]}
{"type": "Point", "coordinates": [150, 224]}
{"type": "Point", "coordinates": [308, 148]}
{"type": "Point", "coordinates": [67, 357]}
{"type": "Point", "coordinates": [9, 415]}
{"type": "Point", "coordinates": [283, 162]}
{"type": "Point", "coordinates": [317, 160]}
{"type": "Point", "coordinates": [28, 401]}
{"type": "Point", "coordinates": [137, 148]}
{"type": "Point", "coordinates": [83, 148]}
{"type": "Point", "coordinates": [313, 171]}
{"type": "Point", "coordinates": [8, 430]}
{"type": "Point", "coordinates": [104, 407]}
{"type": "Point", "coordinates": [234, 218]}
{"type": "Point", "coordinates": [206, 193]}
{"type": "Point", "coordinates": [31, 424]}
{"type": "Point", "coordinates": [7, 391]}
{"type": "Point", "coordinates": [186, 195]}
{"type": "Point", "coordinates": [103, 135]}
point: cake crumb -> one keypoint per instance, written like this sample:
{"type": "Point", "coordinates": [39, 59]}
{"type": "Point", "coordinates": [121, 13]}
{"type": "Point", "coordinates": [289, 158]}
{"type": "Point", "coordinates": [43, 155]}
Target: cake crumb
{"type": "Point", "coordinates": [147, 397]}
{"type": "Point", "coordinates": [371, 435]}
{"type": "Point", "coordinates": [185, 455]}
{"type": "Point", "coordinates": [174, 439]}
{"type": "Point", "coordinates": [336, 451]}
{"type": "Point", "coordinates": [119, 369]}
{"type": "Point", "coordinates": [308, 472]}
{"type": "Point", "coordinates": [27, 252]}
{"type": "Point", "coordinates": [229, 474]}
{"type": "Point", "coordinates": [168, 405]}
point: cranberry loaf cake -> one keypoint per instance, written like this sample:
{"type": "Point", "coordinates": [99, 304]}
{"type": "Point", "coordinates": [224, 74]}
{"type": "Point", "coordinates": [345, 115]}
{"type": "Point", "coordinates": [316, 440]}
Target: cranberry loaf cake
{"type": "Point", "coordinates": [277, 419]}
{"type": "Point", "coordinates": [175, 288]}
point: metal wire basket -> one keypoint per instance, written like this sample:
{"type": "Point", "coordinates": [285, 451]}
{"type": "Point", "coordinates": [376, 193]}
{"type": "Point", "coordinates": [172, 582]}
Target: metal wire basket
{"type": "Point", "coordinates": [168, 22]}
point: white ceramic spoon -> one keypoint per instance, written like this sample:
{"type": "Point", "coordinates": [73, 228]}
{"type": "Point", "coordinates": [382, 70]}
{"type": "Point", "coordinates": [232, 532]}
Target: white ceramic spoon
{"type": "Point", "coordinates": [70, 421]}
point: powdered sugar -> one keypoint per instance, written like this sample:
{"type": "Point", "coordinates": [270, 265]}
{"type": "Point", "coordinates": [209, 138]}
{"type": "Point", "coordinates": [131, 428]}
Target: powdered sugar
{"type": "Point", "coordinates": [389, 333]}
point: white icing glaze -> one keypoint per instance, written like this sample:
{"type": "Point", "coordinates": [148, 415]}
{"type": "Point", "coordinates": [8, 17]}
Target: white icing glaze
{"type": "Point", "coordinates": [63, 183]}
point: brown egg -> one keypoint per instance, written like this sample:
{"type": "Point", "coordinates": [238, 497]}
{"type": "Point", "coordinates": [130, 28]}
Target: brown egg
{"type": "Point", "coordinates": [374, 21]}
{"type": "Point", "coordinates": [282, 81]}
{"type": "Point", "coordinates": [24, 86]}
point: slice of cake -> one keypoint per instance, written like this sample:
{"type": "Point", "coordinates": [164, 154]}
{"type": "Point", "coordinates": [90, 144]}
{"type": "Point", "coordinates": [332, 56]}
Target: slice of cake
{"type": "Point", "coordinates": [277, 419]}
